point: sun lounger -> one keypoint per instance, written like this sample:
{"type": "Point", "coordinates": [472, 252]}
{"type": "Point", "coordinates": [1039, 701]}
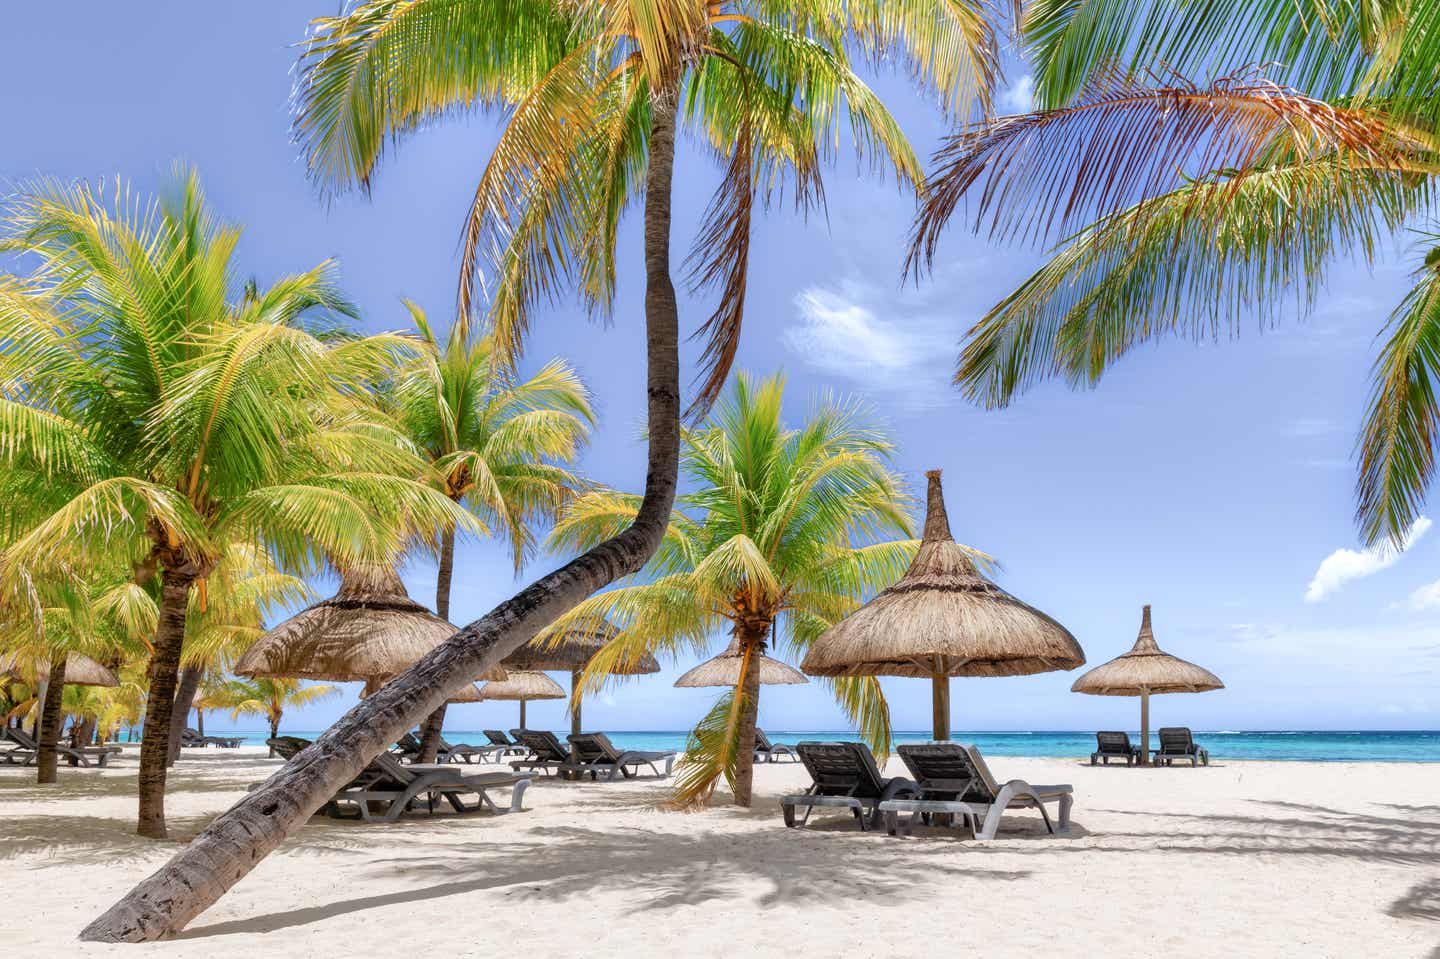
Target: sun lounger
{"type": "Point", "coordinates": [1177, 743]}
{"type": "Point", "coordinates": [393, 788]}
{"type": "Point", "coordinates": [768, 752]}
{"type": "Point", "coordinates": [843, 775]}
{"type": "Point", "coordinates": [546, 752]}
{"type": "Point", "coordinates": [953, 780]}
{"type": "Point", "coordinates": [595, 754]}
{"type": "Point", "coordinates": [503, 745]}
{"type": "Point", "coordinates": [449, 753]}
{"type": "Point", "coordinates": [192, 739]}
{"type": "Point", "coordinates": [75, 757]}
{"type": "Point", "coordinates": [16, 756]}
{"type": "Point", "coordinates": [407, 748]}
{"type": "Point", "coordinates": [1114, 745]}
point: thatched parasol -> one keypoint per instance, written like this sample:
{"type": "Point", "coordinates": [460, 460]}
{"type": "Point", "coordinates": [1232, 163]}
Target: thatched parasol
{"type": "Point", "coordinates": [523, 685]}
{"type": "Point", "coordinates": [469, 693]}
{"type": "Point", "coordinates": [943, 619]}
{"type": "Point", "coordinates": [572, 651]}
{"type": "Point", "coordinates": [1146, 669]}
{"type": "Point", "coordinates": [369, 631]}
{"type": "Point", "coordinates": [80, 670]}
{"type": "Point", "coordinates": [724, 670]}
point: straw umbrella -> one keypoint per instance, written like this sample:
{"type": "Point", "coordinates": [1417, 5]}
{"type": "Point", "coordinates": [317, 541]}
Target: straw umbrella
{"type": "Point", "coordinates": [943, 619]}
{"type": "Point", "coordinates": [571, 652]}
{"type": "Point", "coordinates": [523, 685]}
{"type": "Point", "coordinates": [1146, 669]}
{"type": "Point", "coordinates": [369, 631]}
{"type": "Point", "coordinates": [724, 670]}
{"type": "Point", "coordinates": [80, 670]}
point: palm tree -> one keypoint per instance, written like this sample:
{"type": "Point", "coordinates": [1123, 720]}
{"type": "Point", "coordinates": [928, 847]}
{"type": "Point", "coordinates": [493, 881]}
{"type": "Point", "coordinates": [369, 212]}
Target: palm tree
{"type": "Point", "coordinates": [769, 532]}
{"type": "Point", "coordinates": [161, 419]}
{"type": "Point", "coordinates": [1190, 209]}
{"type": "Point", "coordinates": [592, 93]}
{"type": "Point", "coordinates": [498, 445]}
{"type": "Point", "coordinates": [269, 698]}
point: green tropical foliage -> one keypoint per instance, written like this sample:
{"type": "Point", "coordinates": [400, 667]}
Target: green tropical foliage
{"type": "Point", "coordinates": [268, 698]}
{"type": "Point", "coordinates": [1190, 208]}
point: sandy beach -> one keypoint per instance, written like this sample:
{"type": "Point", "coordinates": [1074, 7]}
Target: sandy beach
{"type": "Point", "coordinates": [1241, 859]}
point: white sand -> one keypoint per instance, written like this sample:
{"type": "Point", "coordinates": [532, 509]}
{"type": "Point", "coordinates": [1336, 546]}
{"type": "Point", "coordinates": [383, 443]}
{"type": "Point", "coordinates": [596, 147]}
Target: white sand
{"type": "Point", "coordinates": [1243, 859]}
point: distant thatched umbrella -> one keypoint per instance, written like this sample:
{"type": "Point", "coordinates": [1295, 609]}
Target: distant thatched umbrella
{"type": "Point", "coordinates": [469, 693]}
{"type": "Point", "coordinates": [523, 685]}
{"type": "Point", "coordinates": [724, 670]}
{"type": "Point", "coordinates": [369, 631]}
{"type": "Point", "coordinates": [80, 670]}
{"type": "Point", "coordinates": [943, 619]}
{"type": "Point", "coordinates": [576, 646]}
{"type": "Point", "coordinates": [1146, 669]}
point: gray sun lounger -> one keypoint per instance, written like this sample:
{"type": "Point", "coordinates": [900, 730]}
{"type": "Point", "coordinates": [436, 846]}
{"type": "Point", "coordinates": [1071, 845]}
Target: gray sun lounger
{"type": "Point", "coordinates": [1177, 743]}
{"type": "Point", "coordinates": [843, 775]}
{"type": "Point", "coordinates": [503, 746]}
{"type": "Point", "coordinates": [75, 757]}
{"type": "Point", "coordinates": [394, 788]}
{"type": "Point", "coordinates": [596, 755]}
{"type": "Point", "coordinates": [449, 753]}
{"type": "Point", "coordinates": [194, 739]}
{"type": "Point", "coordinates": [953, 780]}
{"type": "Point", "coordinates": [1114, 745]}
{"type": "Point", "coordinates": [768, 752]}
{"type": "Point", "coordinates": [547, 753]}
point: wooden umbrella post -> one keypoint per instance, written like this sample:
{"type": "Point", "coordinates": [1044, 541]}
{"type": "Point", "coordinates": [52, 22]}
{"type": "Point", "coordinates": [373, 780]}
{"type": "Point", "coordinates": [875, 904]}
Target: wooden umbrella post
{"type": "Point", "coordinates": [522, 715]}
{"type": "Point", "coordinates": [940, 703]}
{"type": "Point", "coordinates": [575, 729]}
{"type": "Point", "coordinates": [1145, 725]}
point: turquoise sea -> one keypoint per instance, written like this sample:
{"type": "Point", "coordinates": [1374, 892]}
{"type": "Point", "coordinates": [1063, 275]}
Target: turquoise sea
{"type": "Point", "coordinates": [1309, 746]}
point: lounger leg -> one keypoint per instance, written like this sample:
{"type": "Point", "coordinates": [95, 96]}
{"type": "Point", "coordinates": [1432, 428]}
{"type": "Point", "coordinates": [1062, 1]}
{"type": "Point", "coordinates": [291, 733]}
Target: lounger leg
{"type": "Point", "coordinates": [516, 793]}
{"type": "Point", "coordinates": [1066, 801]}
{"type": "Point", "coordinates": [788, 812]}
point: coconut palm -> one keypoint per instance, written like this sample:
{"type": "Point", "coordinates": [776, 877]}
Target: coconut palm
{"type": "Point", "coordinates": [1191, 209]}
{"type": "Point", "coordinates": [592, 93]}
{"type": "Point", "coordinates": [269, 698]}
{"type": "Point", "coordinates": [782, 524]}
{"type": "Point", "coordinates": [161, 418]}
{"type": "Point", "coordinates": [499, 445]}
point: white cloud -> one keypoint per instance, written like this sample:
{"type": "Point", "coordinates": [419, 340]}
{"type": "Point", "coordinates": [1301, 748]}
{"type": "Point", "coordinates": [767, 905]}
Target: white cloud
{"type": "Point", "coordinates": [848, 332]}
{"type": "Point", "coordinates": [1019, 97]}
{"type": "Point", "coordinates": [1309, 426]}
{"type": "Point", "coordinates": [1426, 597]}
{"type": "Point", "coordinates": [1344, 565]}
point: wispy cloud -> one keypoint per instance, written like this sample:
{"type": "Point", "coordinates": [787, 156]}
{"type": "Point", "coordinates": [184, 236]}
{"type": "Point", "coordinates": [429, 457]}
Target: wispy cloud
{"type": "Point", "coordinates": [850, 331]}
{"type": "Point", "coordinates": [1309, 426]}
{"type": "Point", "coordinates": [1019, 97]}
{"type": "Point", "coordinates": [1344, 565]}
{"type": "Point", "coordinates": [1426, 597]}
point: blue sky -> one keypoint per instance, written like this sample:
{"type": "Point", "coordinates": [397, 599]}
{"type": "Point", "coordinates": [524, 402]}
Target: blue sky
{"type": "Point", "coordinates": [1212, 481]}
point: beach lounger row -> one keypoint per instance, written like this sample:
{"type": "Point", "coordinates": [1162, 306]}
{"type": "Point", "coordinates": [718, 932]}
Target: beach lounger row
{"type": "Point", "coordinates": [28, 750]}
{"type": "Point", "coordinates": [591, 754]}
{"type": "Point", "coordinates": [951, 783]}
{"type": "Point", "coordinates": [193, 739]}
{"type": "Point", "coordinates": [1176, 742]}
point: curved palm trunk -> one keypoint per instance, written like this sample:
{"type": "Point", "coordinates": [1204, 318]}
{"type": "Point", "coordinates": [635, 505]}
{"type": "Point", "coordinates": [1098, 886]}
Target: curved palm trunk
{"type": "Point", "coordinates": [166, 901]}
{"type": "Point", "coordinates": [753, 643]}
{"type": "Point", "coordinates": [435, 722]}
{"type": "Point", "coordinates": [86, 733]}
{"type": "Point", "coordinates": [164, 666]}
{"type": "Point", "coordinates": [47, 760]}
{"type": "Point", "coordinates": [190, 678]}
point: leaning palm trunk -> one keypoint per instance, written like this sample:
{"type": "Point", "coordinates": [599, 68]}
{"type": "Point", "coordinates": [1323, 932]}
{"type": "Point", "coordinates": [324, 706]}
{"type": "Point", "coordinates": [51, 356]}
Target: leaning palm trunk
{"type": "Point", "coordinates": [752, 645]}
{"type": "Point", "coordinates": [48, 759]}
{"type": "Point", "coordinates": [160, 701]}
{"type": "Point", "coordinates": [435, 722]}
{"type": "Point", "coordinates": [166, 901]}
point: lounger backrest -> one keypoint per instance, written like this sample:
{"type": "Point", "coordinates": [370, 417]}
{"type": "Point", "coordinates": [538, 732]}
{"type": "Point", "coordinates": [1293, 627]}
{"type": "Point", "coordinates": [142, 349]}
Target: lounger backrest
{"type": "Point", "coordinates": [594, 747]}
{"type": "Point", "coordinates": [1113, 741]}
{"type": "Point", "coordinates": [287, 746]}
{"type": "Point", "coordinates": [943, 771]}
{"type": "Point", "coordinates": [497, 737]}
{"type": "Point", "coordinates": [1175, 739]}
{"type": "Point", "coordinates": [542, 743]}
{"type": "Point", "coordinates": [762, 741]}
{"type": "Point", "coordinates": [408, 743]}
{"type": "Point", "coordinates": [20, 736]}
{"type": "Point", "coordinates": [841, 769]}
{"type": "Point", "coordinates": [389, 768]}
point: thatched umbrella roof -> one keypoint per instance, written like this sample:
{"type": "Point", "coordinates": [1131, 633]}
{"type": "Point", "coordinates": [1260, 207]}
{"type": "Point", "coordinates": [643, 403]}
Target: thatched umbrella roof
{"type": "Point", "coordinates": [724, 670]}
{"type": "Point", "coordinates": [469, 693]}
{"type": "Point", "coordinates": [368, 632]}
{"type": "Point", "coordinates": [942, 619]}
{"type": "Point", "coordinates": [1144, 670]}
{"type": "Point", "coordinates": [523, 684]}
{"type": "Point", "coordinates": [80, 670]}
{"type": "Point", "coordinates": [573, 651]}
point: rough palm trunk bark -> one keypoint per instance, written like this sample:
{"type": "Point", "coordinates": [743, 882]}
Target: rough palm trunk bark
{"type": "Point", "coordinates": [752, 641]}
{"type": "Point", "coordinates": [47, 760]}
{"type": "Point", "coordinates": [164, 666]}
{"type": "Point", "coordinates": [435, 722]}
{"type": "Point", "coordinates": [166, 901]}
{"type": "Point", "coordinates": [200, 721]}
{"type": "Point", "coordinates": [180, 710]}
{"type": "Point", "coordinates": [86, 733]}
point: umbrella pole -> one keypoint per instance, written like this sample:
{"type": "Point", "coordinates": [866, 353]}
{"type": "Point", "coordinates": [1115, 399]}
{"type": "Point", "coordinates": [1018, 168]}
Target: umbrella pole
{"type": "Point", "coordinates": [522, 714]}
{"type": "Point", "coordinates": [1144, 726]}
{"type": "Point", "coordinates": [940, 707]}
{"type": "Point", "coordinates": [574, 703]}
